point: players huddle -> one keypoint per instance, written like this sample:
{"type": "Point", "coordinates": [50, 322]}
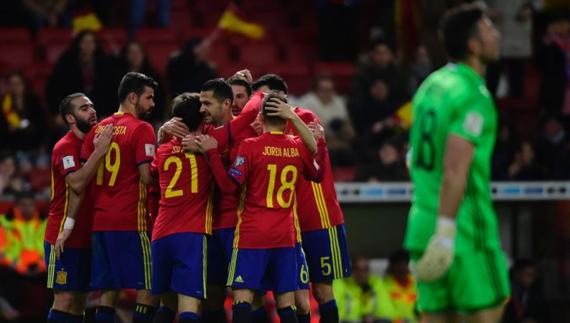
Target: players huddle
{"type": "Point", "coordinates": [247, 201]}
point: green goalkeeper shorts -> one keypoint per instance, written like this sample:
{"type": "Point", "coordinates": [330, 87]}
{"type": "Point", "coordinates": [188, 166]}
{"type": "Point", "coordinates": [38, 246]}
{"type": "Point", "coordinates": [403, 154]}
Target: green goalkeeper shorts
{"type": "Point", "coordinates": [475, 281]}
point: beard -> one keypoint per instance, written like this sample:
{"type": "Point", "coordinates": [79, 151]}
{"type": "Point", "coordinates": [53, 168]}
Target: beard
{"type": "Point", "coordinates": [141, 113]}
{"type": "Point", "coordinates": [83, 125]}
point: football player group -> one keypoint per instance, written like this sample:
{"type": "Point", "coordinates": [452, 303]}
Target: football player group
{"type": "Point", "coordinates": [238, 193]}
{"type": "Point", "coordinates": [247, 199]}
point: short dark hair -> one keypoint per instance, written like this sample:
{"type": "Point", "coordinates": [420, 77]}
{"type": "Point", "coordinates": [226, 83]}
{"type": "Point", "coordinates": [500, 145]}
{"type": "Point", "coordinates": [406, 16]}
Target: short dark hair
{"type": "Point", "coordinates": [65, 106]}
{"type": "Point", "coordinates": [457, 26]}
{"type": "Point", "coordinates": [273, 120]}
{"type": "Point", "coordinates": [187, 107]}
{"type": "Point", "coordinates": [135, 82]}
{"type": "Point", "coordinates": [222, 90]}
{"type": "Point", "coordinates": [273, 81]}
{"type": "Point", "coordinates": [237, 80]}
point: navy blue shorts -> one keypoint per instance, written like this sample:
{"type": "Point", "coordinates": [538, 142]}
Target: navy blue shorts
{"type": "Point", "coordinates": [327, 254]}
{"type": "Point", "coordinates": [258, 269]}
{"type": "Point", "coordinates": [302, 268]}
{"type": "Point", "coordinates": [71, 272]}
{"type": "Point", "coordinates": [121, 259]}
{"type": "Point", "coordinates": [220, 247]}
{"type": "Point", "coordinates": [179, 264]}
{"type": "Point", "coordinates": [302, 272]}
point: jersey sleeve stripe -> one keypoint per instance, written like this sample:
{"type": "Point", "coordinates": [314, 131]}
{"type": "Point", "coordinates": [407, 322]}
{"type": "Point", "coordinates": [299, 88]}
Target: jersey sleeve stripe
{"type": "Point", "coordinates": [209, 208]}
{"type": "Point", "coordinates": [65, 208]}
{"type": "Point", "coordinates": [324, 204]}
{"type": "Point", "coordinates": [321, 204]}
{"type": "Point", "coordinates": [239, 212]}
{"type": "Point", "coordinates": [52, 186]}
{"type": "Point", "coordinates": [296, 220]}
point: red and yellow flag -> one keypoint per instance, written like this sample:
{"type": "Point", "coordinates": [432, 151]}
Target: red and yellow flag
{"type": "Point", "coordinates": [232, 21]}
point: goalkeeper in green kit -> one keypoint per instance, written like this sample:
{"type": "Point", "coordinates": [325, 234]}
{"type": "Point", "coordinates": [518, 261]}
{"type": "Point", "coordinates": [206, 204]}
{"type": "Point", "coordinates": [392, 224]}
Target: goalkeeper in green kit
{"type": "Point", "coordinates": [452, 231]}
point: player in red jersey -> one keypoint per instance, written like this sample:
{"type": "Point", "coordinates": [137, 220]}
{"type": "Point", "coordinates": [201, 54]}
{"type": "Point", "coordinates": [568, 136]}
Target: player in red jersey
{"type": "Point", "coordinates": [264, 245]}
{"type": "Point", "coordinates": [69, 220]}
{"type": "Point", "coordinates": [184, 218]}
{"type": "Point", "coordinates": [321, 223]}
{"type": "Point", "coordinates": [121, 245]}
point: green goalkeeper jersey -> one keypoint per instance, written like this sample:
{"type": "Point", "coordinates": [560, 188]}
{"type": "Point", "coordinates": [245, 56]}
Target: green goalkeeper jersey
{"type": "Point", "coordinates": [452, 101]}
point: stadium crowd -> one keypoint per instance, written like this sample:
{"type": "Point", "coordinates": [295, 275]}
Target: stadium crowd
{"type": "Point", "coordinates": [361, 94]}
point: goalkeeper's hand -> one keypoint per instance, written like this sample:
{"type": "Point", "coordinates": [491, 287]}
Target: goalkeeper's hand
{"type": "Point", "coordinates": [438, 255]}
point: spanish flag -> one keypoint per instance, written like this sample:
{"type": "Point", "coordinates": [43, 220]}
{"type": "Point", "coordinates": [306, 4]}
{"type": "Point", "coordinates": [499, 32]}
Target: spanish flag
{"type": "Point", "coordinates": [231, 21]}
{"type": "Point", "coordinates": [86, 20]}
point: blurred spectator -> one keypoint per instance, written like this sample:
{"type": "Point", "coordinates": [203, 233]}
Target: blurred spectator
{"type": "Point", "coordinates": [377, 105]}
{"type": "Point", "coordinates": [396, 296]}
{"type": "Point", "coordinates": [514, 21]}
{"type": "Point", "coordinates": [7, 171]}
{"type": "Point", "coordinates": [553, 150]}
{"type": "Point", "coordinates": [24, 269]}
{"type": "Point", "coordinates": [83, 67]}
{"type": "Point", "coordinates": [133, 58]}
{"type": "Point", "coordinates": [554, 60]}
{"type": "Point", "coordinates": [138, 13]}
{"type": "Point", "coordinates": [420, 68]}
{"type": "Point", "coordinates": [355, 295]}
{"type": "Point", "coordinates": [388, 165]}
{"type": "Point", "coordinates": [526, 304]}
{"type": "Point", "coordinates": [22, 121]}
{"type": "Point", "coordinates": [189, 70]}
{"type": "Point", "coordinates": [524, 166]}
{"type": "Point", "coordinates": [50, 13]}
{"type": "Point", "coordinates": [331, 110]}
{"type": "Point", "coordinates": [381, 65]}
{"type": "Point", "coordinates": [505, 147]}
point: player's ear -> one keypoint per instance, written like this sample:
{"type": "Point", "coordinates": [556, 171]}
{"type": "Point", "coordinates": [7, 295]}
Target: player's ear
{"type": "Point", "coordinates": [69, 118]}
{"type": "Point", "coordinates": [474, 46]}
{"type": "Point", "coordinates": [132, 98]}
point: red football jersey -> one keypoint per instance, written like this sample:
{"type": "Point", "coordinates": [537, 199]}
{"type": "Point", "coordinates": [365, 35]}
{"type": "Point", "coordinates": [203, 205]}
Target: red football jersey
{"type": "Point", "coordinates": [317, 203]}
{"type": "Point", "coordinates": [268, 166]}
{"type": "Point", "coordinates": [65, 160]}
{"type": "Point", "coordinates": [229, 138]}
{"type": "Point", "coordinates": [186, 188]}
{"type": "Point", "coordinates": [120, 201]}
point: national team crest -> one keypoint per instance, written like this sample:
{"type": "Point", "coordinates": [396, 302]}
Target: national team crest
{"type": "Point", "coordinates": [61, 277]}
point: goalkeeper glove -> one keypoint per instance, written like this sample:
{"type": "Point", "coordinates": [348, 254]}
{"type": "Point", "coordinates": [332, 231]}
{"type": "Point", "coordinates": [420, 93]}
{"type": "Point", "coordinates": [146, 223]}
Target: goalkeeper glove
{"type": "Point", "coordinates": [438, 255]}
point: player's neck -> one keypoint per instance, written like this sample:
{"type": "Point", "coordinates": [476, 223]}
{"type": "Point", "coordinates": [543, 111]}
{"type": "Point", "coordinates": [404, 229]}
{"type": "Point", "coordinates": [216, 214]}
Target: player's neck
{"type": "Point", "coordinates": [273, 128]}
{"type": "Point", "coordinates": [77, 132]}
{"type": "Point", "coordinates": [228, 116]}
{"type": "Point", "coordinates": [127, 109]}
{"type": "Point", "coordinates": [476, 64]}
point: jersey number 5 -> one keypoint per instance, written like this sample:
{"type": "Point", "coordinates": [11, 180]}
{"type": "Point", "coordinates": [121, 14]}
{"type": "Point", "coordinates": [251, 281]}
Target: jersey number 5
{"type": "Point", "coordinates": [170, 191]}
{"type": "Point", "coordinates": [111, 165]}
{"type": "Point", "coordinates": [286, 184]}
{"type": "Point", "coordinates": [425, 157]}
